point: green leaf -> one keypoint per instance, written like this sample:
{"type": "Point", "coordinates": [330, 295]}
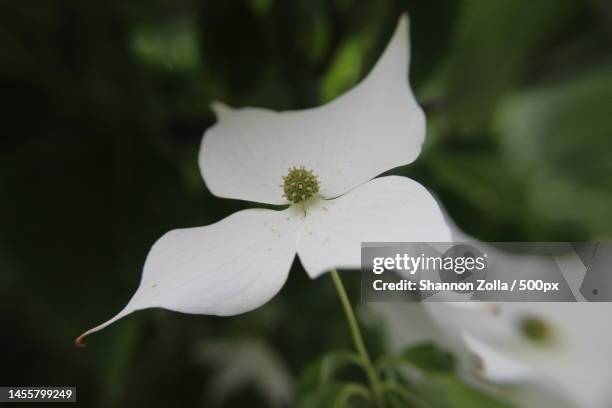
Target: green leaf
{"type": "Point", "coordinates": [429, 357]}
{"type": "Point", "coordinates": [480, 180]}
{"type": "Point", "coordinates": [444, 391]}
{"type": "Point", "coordinates": [336, 395]}
{"type": "Point", "coordinates": [346, 68]}
{"type": "Point", "coordinates": [324, 396]}
{"type": "Point", "coordinates": [400, 395]}
{"type": "Point", "coordinates": [322, 371]}
{"type": "Point", "coordinates": [557, 139]}
{"type": "Point", "coordinates": [172, 47]}
{"type": "Point", "coordinates": [489, 53]}
{"type": "Point", "coordinates": [437, 386]}
{"type": "Point", "coordinates": [335, 361]}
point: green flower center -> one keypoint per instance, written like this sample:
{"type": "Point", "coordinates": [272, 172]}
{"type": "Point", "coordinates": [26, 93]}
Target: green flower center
{"type": "Point", "coordinates": [300, 184]}
{"type": "Point", "coordinates": [536, 329]}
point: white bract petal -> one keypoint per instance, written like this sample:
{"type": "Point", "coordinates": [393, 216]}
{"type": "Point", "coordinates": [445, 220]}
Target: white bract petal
{"type": "Point", "coordinates": [387, 209]}
{"type": "Point", "coordinates": [227, 268]}
{"type": "Point", "coordinates": [247, 364]}
{"type": "Point", "coordinates": [406, 324]}
{"type": "Point", "coordinates": [562, 346]}
{"type": "Point", "coordinates": [494, 366]}
{"type": "Point", "coordinates": [373, 128]}
{"type": "Point", "coordinates": [572, 355]}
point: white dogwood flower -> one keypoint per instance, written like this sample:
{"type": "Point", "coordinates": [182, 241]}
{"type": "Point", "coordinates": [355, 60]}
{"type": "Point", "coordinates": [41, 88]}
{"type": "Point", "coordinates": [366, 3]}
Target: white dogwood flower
{"type": "Point", "coordinates": [555, 353]}
{"type": "Point", "coordinates": [322, 163]}
{"type": "Point", "coordinates": [561, 348]}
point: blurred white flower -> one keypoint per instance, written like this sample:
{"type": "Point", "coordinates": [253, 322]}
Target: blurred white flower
{"type": "Point", "coordinates": [404, 324]}
{"type": "Point", "coordinates": [562, 348]}
{"type": "Point", "coordinates": [538, 354]}
{"type": "Point", "coordinates": [246, 363]}
{"type": "Point", "coordinates": [322, 161]}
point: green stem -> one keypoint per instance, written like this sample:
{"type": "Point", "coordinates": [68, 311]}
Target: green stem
{"type": "Point", "coordinates": [358, 339]}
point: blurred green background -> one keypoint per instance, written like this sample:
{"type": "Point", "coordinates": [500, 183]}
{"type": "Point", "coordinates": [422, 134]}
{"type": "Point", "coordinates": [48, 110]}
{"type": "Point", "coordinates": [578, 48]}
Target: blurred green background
{"type": "Point", "coordinates": [105, 104]}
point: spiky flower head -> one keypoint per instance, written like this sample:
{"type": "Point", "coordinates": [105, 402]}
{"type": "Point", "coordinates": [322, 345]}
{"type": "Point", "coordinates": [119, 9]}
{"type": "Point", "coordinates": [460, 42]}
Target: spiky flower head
{"type": "Point", "coordinates": [300, 184]}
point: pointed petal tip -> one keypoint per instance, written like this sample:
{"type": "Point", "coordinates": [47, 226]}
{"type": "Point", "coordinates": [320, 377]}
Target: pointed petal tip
{"type": "Point", "coordinates": [402, 28]}
{"type": "Point", "coordinates": [220, 108]}
{"type": "Point", "coordinates": [78, 342]}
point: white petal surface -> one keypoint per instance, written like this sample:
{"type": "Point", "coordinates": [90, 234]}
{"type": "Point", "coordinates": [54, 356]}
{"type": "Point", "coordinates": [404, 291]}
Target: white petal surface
{"type": "Point", "coordinates": [495, 366]}
{"type": "Point", "coordinates": [406, 324]}
{"type": "Point", "coordinates": [374, 127]}
{"type": "Point", "coordinates": [576, 359]}
{"type": "Point", "coordinates": [386, 209]}
{"type": "Point", "coordinates": [227, 268]}
{"type": "Point", "coordinates": [574, 365]}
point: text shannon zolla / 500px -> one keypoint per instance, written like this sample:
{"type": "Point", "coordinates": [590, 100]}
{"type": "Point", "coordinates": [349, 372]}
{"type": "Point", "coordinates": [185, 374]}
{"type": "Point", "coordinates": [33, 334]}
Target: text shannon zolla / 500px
{"type": "Point", "coordinates": [479, 285]}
